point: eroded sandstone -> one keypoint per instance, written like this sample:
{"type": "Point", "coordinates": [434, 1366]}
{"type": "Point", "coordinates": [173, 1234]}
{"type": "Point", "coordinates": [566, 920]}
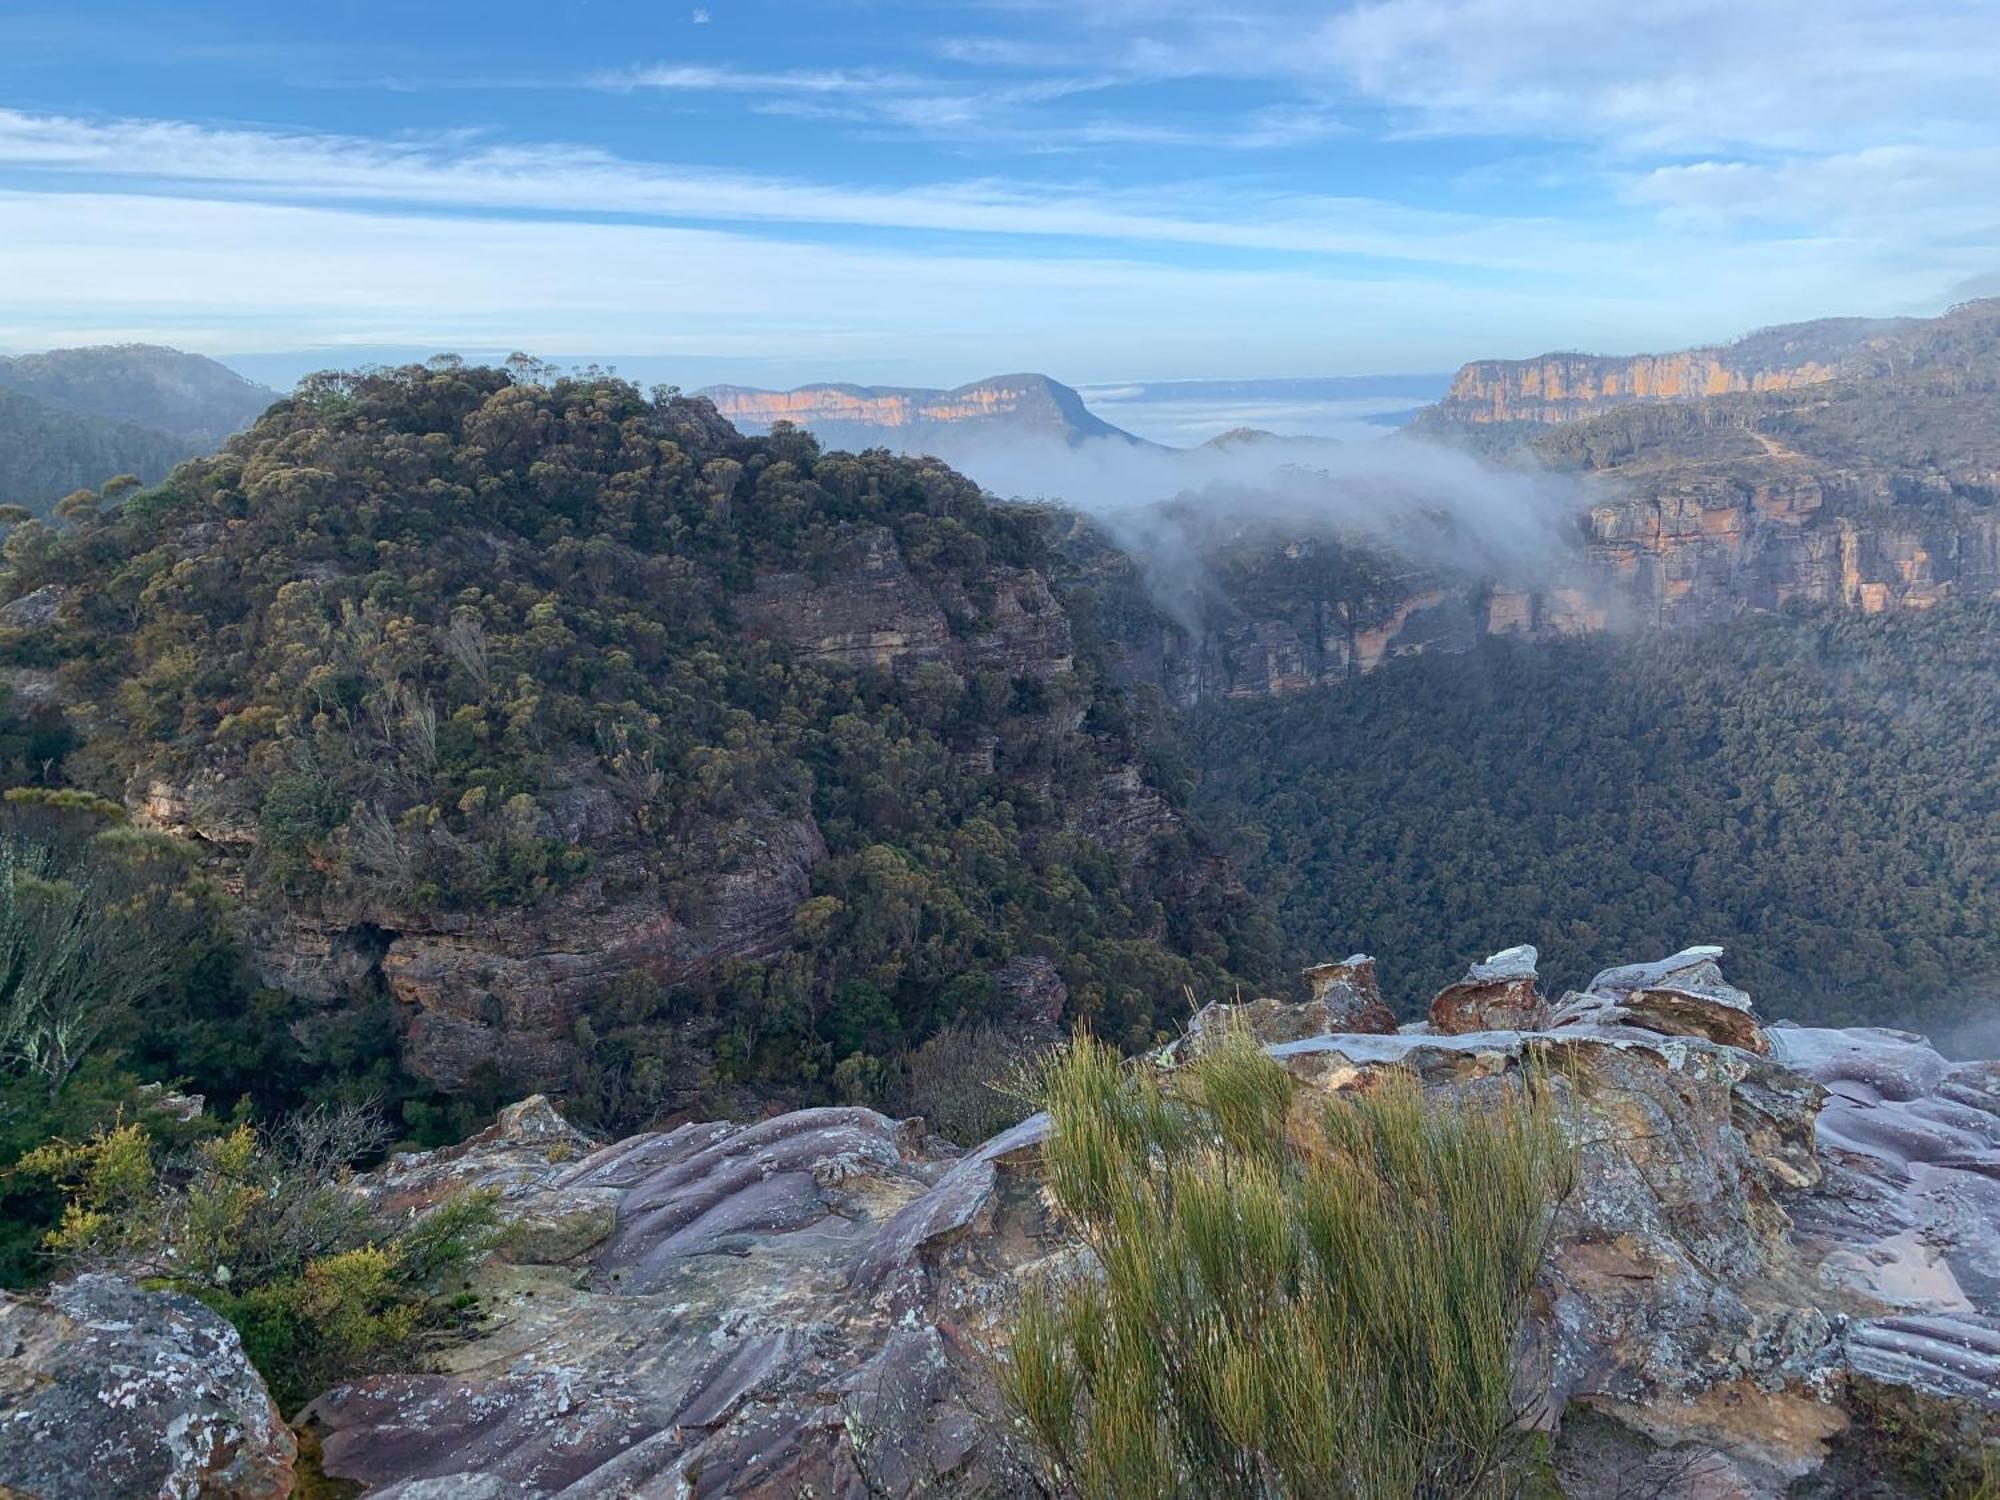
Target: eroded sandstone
{"type": "Point", "coordinates": [808, 1304]}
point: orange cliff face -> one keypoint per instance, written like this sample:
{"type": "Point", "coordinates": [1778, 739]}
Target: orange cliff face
{"type": "Point", "coordinates": [1566, 387]}
{"type": "Point", "coordinates": [864, 406]}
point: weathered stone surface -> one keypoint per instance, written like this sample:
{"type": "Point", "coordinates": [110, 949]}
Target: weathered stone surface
{"type": "Point", "coordinates": [1343, 998]}
{"type": "Point", "coordinates": [783, 1309]}
{"type": "Point", "coordinates": [34, 609]}
{"type": "Point", "coordinates": [870, 612]}
{"type": "Point", "coordinates": [805, 1305]}
{"type": "Point", "coordinates": [1500, 994]}
{"type": "Point", "coordinates": [1034, 992]}
{"type": "Point", "coordinates": [1350, 994]}
{"type": "Point", "coordinates": [106, 1390]}
{"type": "Point", "coordinates": [1684, 995]}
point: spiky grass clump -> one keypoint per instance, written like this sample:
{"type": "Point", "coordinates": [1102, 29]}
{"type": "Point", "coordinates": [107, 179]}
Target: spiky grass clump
{"type": "Point", "coordinates": [1290, 1298]}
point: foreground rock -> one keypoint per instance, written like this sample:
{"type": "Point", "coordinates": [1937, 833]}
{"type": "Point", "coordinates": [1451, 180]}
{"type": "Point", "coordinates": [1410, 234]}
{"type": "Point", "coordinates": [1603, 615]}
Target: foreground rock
{"type": "Point", "coordinates": [1500, 994]}
{"type": "Point", "coordinates": [110, 1391]}
{"type": "Point", "coordinates": [807, 1305]}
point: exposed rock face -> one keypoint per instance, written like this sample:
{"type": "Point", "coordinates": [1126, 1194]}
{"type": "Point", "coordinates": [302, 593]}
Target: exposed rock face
{"type": "Point", "coordinates": [917, 420]}
{"type": "Point", "coordinates": [782, 1309]}
{"type": "Point", "coordinates": [107, 1390]}
{"type": "Point", "coordinates": [801, 1305]}
{"type": "Point", "coordinates": [1849, 464]}
{"type": "Point", "coordinates": [1500, 994]}
{"type": "Point", "coordinates": [872, 611]}
{"type": "Point", "coordinates": [1564, 387]}
{"type": "Point", "coordinates": [503, 990]}
{"type": "Point", "coordinates": [1035, 994]}
{"type": "Point", "coordinates": [507, 989]}
{"type": "Point", "coordinates": [1555, 388]}
{"type": "Point", "coordinates": [1685, 995]}
{"type": "Point", "coordinates": [33, 610]}
{"type": "Point", "coordinates": [1350, 994]}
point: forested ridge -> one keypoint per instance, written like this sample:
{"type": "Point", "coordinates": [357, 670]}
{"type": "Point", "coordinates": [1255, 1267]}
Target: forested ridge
{"type": "Point", "coordinates": [443, 646]}
{"type": "Point", "coordinates": [1820, 792]}
{"type": "Point", "coordinates": [71, 419]}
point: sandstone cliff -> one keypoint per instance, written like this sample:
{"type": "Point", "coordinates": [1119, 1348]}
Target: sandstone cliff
{"type": "Point", "coordinates": [919, 420]}
{"type": "Point", "coordinates": [1868, 493]}
{"type": "Point", "coordinates": [1567, 387]}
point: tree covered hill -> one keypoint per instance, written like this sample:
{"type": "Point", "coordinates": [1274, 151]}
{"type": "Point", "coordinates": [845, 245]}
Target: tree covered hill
{"type": "Point", "coordinates": [1818, 792]}
{"type": "Point", "coordinates": [627, 755]}
{"type": "Point", "coordinates": [73, 418]}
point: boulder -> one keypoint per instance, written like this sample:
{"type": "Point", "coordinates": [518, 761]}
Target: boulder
{"type": "Point", "coordinates": [107, 1390]}
{"type": "Point", "coordinates": [1497, 995]}
{"type": "Point", "coordinates": [1684, 995]}
{"type": "Point", "coordinates": [1352, 998]}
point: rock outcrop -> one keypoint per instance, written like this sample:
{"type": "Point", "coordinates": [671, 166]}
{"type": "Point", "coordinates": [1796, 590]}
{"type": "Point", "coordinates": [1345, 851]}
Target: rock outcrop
{"type": "Point", "coordinates": [1553, 388]}
{"type": "Point", "coordinates": [1017, 407]}
{"type": "Point", "coordinates": [1502, 993]}
{"type": "Point", "coordinates": [502, 991]}
{"type": "Point", "coordinates": [1848, 464]}
{"type": "Point", "coordinates": [808, 1304]}
{"type": "Point", "coordinates": [106, 1390]}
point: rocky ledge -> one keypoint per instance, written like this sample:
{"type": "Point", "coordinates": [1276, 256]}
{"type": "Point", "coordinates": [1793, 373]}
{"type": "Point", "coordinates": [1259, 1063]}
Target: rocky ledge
{"type": "Point", "coordinates": [1770, 1223]}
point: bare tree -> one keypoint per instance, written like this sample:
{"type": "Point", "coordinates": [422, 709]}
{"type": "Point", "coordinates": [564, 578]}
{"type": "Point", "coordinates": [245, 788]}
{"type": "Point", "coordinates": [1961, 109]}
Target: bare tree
{"type": "Point", "coordinates": [72, 962]}
{"type": "Point", "coordinates": [464, 641]}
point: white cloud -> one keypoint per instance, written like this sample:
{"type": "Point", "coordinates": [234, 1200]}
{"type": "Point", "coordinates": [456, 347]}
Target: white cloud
{"type": "Point", "coordinates": [1674, 74]}
{"type": "Point", "coordinates": [231, 275]}
{"type": "Point", "coordinates": [1886, 193]}
{"type": "Point", "coordinates": [453, 173]}
{"type": "Point", "coordinates": [1668, 75]}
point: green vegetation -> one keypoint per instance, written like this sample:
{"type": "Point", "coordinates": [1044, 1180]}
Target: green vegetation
{"type": "Point", "coordinates": [259, 1226]}
{"type": "Point", "coordinates": [46, 453]}
{"type": "Point", "coordinates": [1819, 792]}
{"type": "Point", "coordinates": [1939, 1447]}
{"type": "Point", "coordinates": [120, 966]}
{"type": "Point", "coordinates": [442, 644]}
{"type": "Point", "coordinates": [1291, 1295]}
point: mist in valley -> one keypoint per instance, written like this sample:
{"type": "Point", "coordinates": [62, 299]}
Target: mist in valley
{"type": "Point", "coordinates": [1399, 497]}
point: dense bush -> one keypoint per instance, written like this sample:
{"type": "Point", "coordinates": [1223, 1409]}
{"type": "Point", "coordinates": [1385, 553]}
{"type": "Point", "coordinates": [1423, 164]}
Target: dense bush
{"type": "Point", "coordinates": [1820, 792]}
{"type": "Point", "coordinates": [1287, 1296]}
{"type": "Point", "coordinates": [259, 1225]}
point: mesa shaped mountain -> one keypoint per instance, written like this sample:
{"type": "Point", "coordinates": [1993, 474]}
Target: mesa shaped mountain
{"type": "Point", "coordinates": [72, 418]}
{"type": "Point", "coordinates": [919, 420]}
{"type": "Point", "coordinates": [1568, 386]}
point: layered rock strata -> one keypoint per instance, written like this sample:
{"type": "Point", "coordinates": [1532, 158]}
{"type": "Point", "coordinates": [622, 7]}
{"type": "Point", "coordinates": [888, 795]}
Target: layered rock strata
{"type": "Point", "coordinates": [809, 1304]}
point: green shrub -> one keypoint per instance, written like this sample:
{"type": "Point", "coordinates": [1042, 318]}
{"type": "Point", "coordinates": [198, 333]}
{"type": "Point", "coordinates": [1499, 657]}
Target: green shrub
{"type": "Point", "coordinates": [262, 1227]}
{"type": "Point", "coordinates": [1291, 1296]}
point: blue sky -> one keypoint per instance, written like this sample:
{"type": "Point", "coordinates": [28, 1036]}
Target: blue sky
{"type": "Point", "coordinates": [1103, 189]}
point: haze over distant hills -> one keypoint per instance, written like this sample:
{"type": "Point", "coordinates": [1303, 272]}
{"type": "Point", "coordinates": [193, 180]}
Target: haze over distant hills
{"type": "Point", "coordinates": [1185, 412]}
{"type": "Point", "coordinates": [72, 418]}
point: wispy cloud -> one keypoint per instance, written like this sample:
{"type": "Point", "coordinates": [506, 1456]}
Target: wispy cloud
{"type": "Point", "coordinates": [457, 172]}
{"type": "Point", "coordinates": [1671, 75]}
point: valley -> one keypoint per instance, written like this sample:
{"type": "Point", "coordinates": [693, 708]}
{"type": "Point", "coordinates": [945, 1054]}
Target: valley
{"type": "Point", "coordinates": [468, 736]}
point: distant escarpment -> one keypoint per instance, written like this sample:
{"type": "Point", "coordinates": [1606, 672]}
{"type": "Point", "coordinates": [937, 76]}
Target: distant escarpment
{"type": "Point", "coordinates": [1568, 387]}
{"type": "Point", "coordinates": [616, 750]}
{"type": "Point", "coordinates": [915, 420]}
{"type": "Point", "coordinates": [1871, 492]}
